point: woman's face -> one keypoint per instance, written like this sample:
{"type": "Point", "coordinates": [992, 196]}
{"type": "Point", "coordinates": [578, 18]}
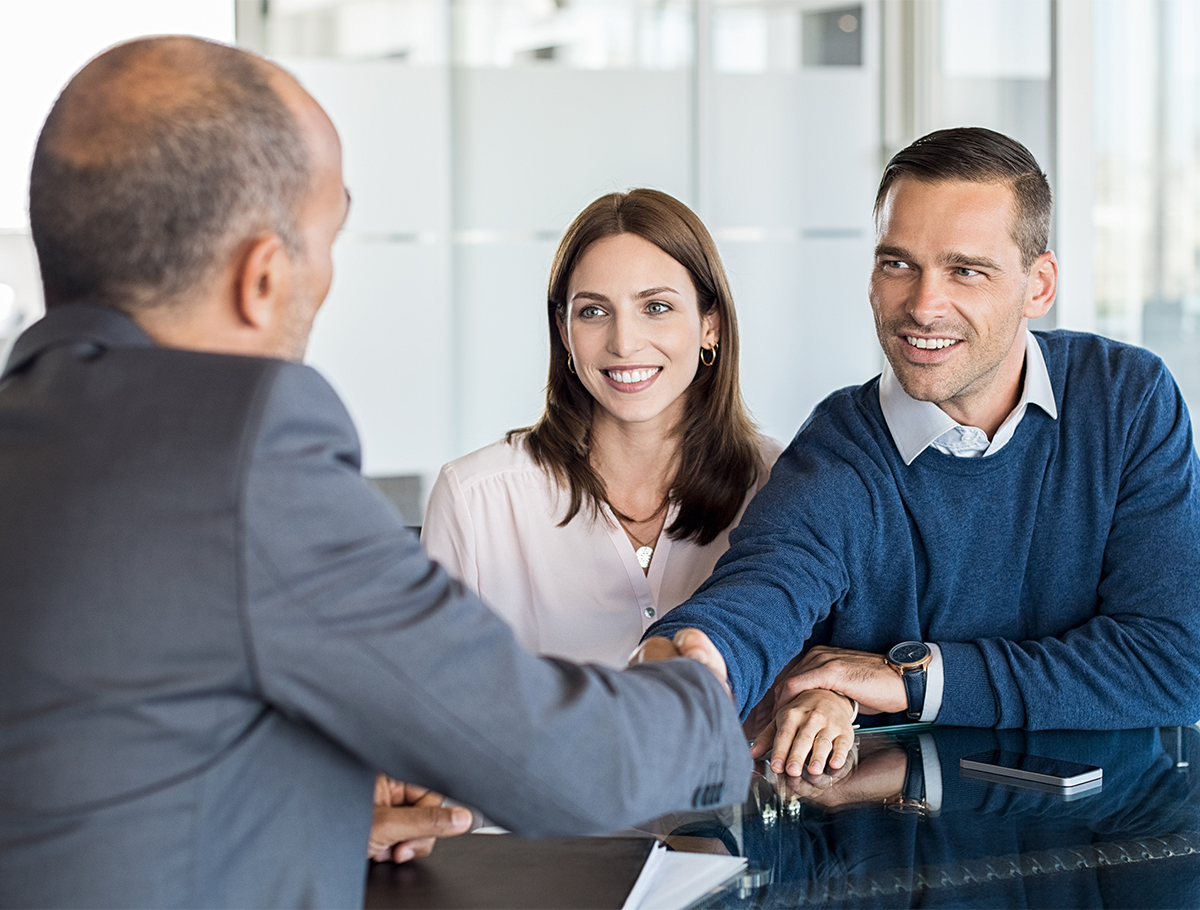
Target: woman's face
{"type": "Point", "coordinates": [634, 330]}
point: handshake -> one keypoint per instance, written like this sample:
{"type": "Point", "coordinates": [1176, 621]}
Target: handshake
{"type": "Point", "coordinates": [811, 707]}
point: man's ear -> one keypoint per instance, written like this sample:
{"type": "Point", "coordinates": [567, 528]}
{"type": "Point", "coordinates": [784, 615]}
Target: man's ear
{"type": "Point", "coordinates": [263, 282]}
{"type": "Point", "coordinates": [1043, 285]}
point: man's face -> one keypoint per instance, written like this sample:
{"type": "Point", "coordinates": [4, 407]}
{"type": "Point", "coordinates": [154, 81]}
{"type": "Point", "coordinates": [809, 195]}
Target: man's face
{"type": "Point", "coordinates": [320, 218]}
{"type": "Point", "coordinates": [950, 297]}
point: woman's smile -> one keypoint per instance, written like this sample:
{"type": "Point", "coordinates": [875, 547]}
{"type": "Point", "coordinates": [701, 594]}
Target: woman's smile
{"type": "Point", "coordinates": [634, 330]}
{"type": "Point", "coordinates": [631, 379]}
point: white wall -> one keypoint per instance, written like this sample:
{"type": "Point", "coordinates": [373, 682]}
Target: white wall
{"type": "Point", "coordinates": [42, 44]}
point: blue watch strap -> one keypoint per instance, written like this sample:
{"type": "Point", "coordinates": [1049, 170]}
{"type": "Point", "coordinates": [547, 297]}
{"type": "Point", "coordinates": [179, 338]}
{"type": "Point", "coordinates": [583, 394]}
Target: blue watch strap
{"type": "Point", "coordinates": [914, 690]}
{"type": "Point", "coordinates": [914, 774]}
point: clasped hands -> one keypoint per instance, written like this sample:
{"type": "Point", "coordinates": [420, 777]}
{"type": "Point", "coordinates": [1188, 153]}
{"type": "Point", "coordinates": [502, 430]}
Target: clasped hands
{"type": "Point", "coordinates": [811, 730]}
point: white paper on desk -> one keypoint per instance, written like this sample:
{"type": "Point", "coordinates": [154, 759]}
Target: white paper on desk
{"type": "Point", "coordinates": [649, 873]}
{"type": "Point", "coordinates": [684, 878]}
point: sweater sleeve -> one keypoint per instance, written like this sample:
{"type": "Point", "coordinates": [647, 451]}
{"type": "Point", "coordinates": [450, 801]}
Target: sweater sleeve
{"type": "Point", "coordinates": [1136, 661]}
{"type": "Point", "coordinates": [790, 559]}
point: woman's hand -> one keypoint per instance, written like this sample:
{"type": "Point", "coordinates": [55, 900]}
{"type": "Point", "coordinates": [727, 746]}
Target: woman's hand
{"type": "Point", "coordinates": [811, 733]}
{"type": "Point", "coordinates": [408, 819]}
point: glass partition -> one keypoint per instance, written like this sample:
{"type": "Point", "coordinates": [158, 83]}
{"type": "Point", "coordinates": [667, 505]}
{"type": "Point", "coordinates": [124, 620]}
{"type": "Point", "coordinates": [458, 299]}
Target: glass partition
{"type": "Point", "coordinates": [475, 130]}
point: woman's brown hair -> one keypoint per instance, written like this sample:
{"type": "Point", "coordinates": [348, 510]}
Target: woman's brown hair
{"type": "Point", "coordinates": [718, 444]}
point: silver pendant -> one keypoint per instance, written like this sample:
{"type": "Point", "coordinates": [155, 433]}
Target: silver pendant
{"type": "Point", "coordinates": [643, 556]}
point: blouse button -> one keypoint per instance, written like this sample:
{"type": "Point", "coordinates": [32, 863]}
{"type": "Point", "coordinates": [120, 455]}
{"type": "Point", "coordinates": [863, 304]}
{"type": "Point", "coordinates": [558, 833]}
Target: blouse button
{"type": "Point", "coordinates": [649, 611]}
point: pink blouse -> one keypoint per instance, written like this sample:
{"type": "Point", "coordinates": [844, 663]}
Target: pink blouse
{"type": "Point", "coordinates": [575, 591]}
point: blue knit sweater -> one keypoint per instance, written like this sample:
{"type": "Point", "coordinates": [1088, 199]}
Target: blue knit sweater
{"type": "Point", "coordinates": [1060, 576]}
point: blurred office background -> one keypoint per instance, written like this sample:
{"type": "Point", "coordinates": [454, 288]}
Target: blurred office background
{"type": "Point", "coordinates": [474, 130]}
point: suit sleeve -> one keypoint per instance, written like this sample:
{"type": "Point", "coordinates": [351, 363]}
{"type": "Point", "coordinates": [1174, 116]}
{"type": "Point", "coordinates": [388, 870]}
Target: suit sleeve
{"type": "Point", "coordinates": [353, 630]}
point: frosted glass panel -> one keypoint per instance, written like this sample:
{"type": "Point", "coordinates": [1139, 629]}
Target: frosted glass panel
{"type": "Point", "coordinates": [1146, 121]}
{"type": "Point", "coordinates": [383, 339]}
{"type": "Point", "coordinates": [502, 337]}
{"type": "Point", "coordinates": [535, 146]}
{"type": "Point", "coordinates": [786, 156]}
{"type": "Point", "coordinates": [465, 175]}
{"type": "Point", "coordinates": [806, 324]}
{"type": "Point", "coordinates": [394, 124]}
{"type": "Point", "coordinates": [794, 165]}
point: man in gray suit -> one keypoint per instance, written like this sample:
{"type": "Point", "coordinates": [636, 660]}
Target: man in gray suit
{"type": "Point", "coordinates": [212, 632]}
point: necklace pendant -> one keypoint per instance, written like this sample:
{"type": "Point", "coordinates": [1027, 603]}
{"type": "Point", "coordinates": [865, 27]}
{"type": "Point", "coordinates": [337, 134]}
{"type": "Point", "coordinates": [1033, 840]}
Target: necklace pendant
{"type": "Point", "coordinates": [644, 555]}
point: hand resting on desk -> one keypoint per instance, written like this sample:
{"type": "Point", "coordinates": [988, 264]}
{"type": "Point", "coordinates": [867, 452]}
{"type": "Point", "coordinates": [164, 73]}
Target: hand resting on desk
{"type": "Point", "coordinates": [408, 819]}
{"type": "Point", "coordinates": [815, 725]}
{"type": "Point", "coordinates": [860, 675]}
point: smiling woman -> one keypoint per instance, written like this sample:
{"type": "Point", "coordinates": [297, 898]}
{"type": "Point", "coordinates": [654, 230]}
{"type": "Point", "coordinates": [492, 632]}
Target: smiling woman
{"type": "Point", "coordinates": [614, 507]}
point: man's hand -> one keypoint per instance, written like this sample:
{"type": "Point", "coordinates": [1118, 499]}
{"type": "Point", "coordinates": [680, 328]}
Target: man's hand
{"type": "Point", "coordinates": [687, 643]}
{"type": "Point", "coordinates": [867, 678]}
{"type": "Point", "coordinates": [878, 773]}
{"type": "Point", "coordinates": [814, 727]}
{"type": "Point", "coordinates": [408, 819]}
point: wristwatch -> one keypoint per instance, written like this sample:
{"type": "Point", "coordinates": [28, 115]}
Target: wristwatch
{"type": "Point", "coordinates": [911, 659]}
{"type": "Point", "coordinates": [911, 798]}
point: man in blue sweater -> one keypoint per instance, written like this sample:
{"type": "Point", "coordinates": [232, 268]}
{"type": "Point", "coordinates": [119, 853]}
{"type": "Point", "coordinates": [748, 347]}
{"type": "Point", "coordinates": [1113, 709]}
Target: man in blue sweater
{"type": "Point", "coordinates": [1001, 530]}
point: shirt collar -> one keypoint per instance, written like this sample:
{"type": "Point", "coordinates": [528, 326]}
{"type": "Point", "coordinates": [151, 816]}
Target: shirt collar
{"type": "Point", "coordinates": [68, 323]}
{"type": "Point", "coordinates": [915, 424]}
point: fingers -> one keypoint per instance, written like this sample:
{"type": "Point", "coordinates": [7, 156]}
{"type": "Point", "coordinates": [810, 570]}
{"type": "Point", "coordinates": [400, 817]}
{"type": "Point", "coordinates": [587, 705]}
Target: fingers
{"type": "Point", "coordinates": [811, 733]}
{"type": "Point", "coordinates": [687, 643]}
{"type": "Point", "coordinates": [843, 745]}
{"type": "Point", "coordinates": [695, 644]}
{"type": "Point", "coordinates": [793, 742]}
{"type": "Point", "coordinates": [762, 743]}
{"type": "Point", "coordinates": [392, 792]}
{"type": "Point", "coordinates": [401, 832]}
{"type": "Point", "coordinates": [654, 649]}
{"type": "Point", "coordinates": [413, 849]}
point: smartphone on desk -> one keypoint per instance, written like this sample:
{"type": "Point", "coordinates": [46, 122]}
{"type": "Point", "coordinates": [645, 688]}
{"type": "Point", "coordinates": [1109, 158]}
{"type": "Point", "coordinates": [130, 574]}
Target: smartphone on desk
{"type": "Point", "coordinates": [1020, 769]}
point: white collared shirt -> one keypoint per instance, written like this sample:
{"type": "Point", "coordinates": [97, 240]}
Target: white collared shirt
{"type": "Point", "coordinates": [917, 425]}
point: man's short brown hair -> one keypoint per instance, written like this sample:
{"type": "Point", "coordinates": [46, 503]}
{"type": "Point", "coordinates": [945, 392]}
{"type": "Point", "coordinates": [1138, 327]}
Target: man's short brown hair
{"type": "Point", "coordinates": [980, 155]}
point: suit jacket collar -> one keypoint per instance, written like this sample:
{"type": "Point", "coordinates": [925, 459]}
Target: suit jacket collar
{"type": "Point", "coordinates": [75, 323]}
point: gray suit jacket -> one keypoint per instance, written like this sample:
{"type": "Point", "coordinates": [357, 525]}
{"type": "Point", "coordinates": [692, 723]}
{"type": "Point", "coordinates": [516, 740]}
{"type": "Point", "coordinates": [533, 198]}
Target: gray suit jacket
{"type": "Point", "coordinates": [213, 632]}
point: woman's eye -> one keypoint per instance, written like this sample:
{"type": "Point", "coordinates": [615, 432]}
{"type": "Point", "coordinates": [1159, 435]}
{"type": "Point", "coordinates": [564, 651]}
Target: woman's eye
{"type": "Point", "coordinates": [658, 307]}
{"type": "Point", "coordinates": [590, 312]}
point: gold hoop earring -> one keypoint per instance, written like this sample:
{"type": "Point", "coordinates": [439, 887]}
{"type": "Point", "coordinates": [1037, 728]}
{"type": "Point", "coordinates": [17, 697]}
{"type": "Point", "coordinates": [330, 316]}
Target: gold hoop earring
{"type": "Point", "coordinates": [570, 365]}
{"type": "Point", "coordinates": [712, 355]}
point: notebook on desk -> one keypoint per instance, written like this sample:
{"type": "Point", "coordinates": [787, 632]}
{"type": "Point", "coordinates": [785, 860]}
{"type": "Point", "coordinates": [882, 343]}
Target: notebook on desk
{"type": "Point", "coordinates": [571, 873]}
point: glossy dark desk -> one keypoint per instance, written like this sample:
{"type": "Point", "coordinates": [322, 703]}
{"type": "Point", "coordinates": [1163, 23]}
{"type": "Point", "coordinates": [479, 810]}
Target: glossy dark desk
{"type": "Point", "coordinates": [1134, 843]}
{"type": "Point", "coordinates": [846, 844]}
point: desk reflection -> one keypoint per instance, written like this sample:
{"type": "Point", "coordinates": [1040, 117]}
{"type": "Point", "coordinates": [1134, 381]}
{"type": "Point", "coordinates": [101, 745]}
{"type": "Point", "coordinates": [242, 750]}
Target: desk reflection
{"type": "Point", "coordinates": [905, 829]}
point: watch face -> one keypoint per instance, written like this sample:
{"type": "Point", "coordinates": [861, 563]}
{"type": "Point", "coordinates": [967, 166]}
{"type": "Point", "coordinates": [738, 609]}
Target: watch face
{"type": "Point", "coordinates": [909, 652]}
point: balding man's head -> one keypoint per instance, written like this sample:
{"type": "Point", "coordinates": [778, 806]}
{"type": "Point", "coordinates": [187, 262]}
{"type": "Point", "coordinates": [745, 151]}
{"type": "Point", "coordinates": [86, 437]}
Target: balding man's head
{"type": "Point", "coordinates": [159, 159]}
